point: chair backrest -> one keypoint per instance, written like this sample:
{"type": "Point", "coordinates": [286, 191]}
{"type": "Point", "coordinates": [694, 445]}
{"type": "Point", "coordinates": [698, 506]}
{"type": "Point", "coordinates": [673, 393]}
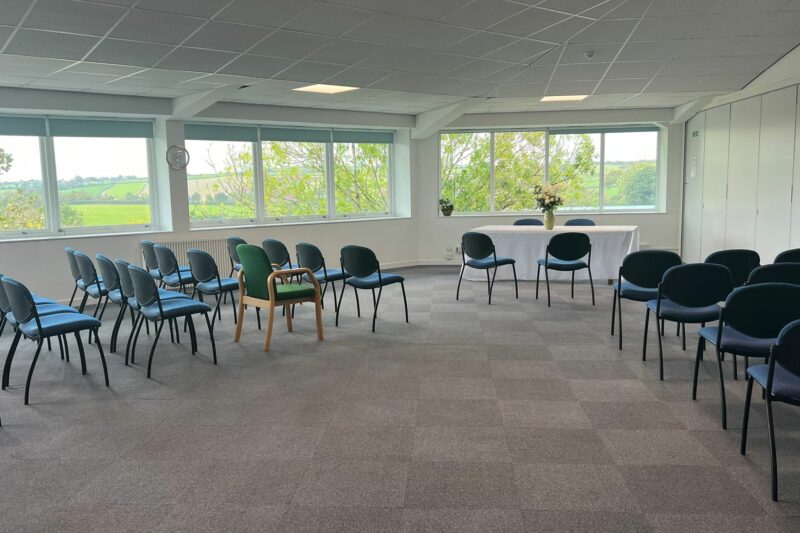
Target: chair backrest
{"type": "Point", "coordinates": [88, 271]}
{"type": "Point", "coordinates": [776, 273]}
{"type": "Point", "coordinates": [569, 246]}
{"type": "Point", "coordinates": [73, 264]}
{"type": "Point", "coordinates": [528, 222]}
{"type": "Point", "coordinates": [477, 245]}
{"type": "Point", "coordinates": [203, 266]}
{"type": "Point", "coordinates": [580, 222]}
{"type": "Point", "coordinates": [144, 287]}
{"type": "Point", "coordinates": [277, 252]}
{"type": "Point", "coordinates": [5, 305]}
{"type": "Point", "coordinates": [125, 280]}
{"type": "Point", "coordinates": [232, 243]}
{"type": "Point", "coordinates": [309, 256]}
{"type": "Point", "coordinates": [149, 254]}
{"type": "Point", "coordinates": [20, 300]}
{"type": "Point", "coordinates": [787, 350]}
{"type": "Point", "coordinates": [696, 284]}
{"type": "Point", "coordinates": [167, 263]}
{"type": "Point", "coordinates": [256, 268]}
{"type": "Point", "coordinates": [108, 271]}
{"type": "Point", "coordinates": [788, 256]}
{"type": "Point", "coordinates": [762, 310]}
{"type": "Point", "coordinates": [646, 268]}
{"type": "Point", "coordinates": [739, 262]}
{"type": "Point", "coordinates": [359, 261]}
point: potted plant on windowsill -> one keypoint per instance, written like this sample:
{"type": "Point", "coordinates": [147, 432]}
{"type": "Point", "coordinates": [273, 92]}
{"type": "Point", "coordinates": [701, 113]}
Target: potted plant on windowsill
{"type": "Point", "coordinates": [446, 206]}
{"type": "Point", "coordinates": [548, 199]}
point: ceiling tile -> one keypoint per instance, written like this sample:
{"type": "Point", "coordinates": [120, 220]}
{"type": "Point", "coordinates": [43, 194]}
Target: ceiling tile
{"type": "Point", "coordinates": [562, 31]}
{"type": "Point", "coordinates": [482, 13]}
{"type": "Point", "coordinates": [358, 76]}
{"type": "Point", "coordinates": [507, 74]}
{"type": "Point", "coordinates": [478, 68]}
{"type": "Point", "coordinates": [291, 44]}
{"type": "Point", "coordinates": [520, 51]}
{"type": "Point", "coordinates": [480, 44]}
{"type": "Point", "coordinates": [128, 52]}
{"type": "Point", "coordinates": [73, 17]}
{"type": "Point", "coordinates": [152, 26]}
{"type": "Point", "coordinates": [742, 64]}
{"type": "Point", "coordinates": [527, 22]}
{"type": "Point", "coordinates": [310, 71]}
{"type": "Point", "coordinates": [435, 36]}
{"type": "Point", "coordinates": [572, 6]}
{"type": "Point", "coordinates": [414, 60]}
{"type": "Point", "coordinates": [421, 9]}
{"type": "Point", "coordinates": [665, 28]}
{"type": "Point", "coordinates": [522, 90]}
{"type": "Point", "coordinates": [535, 73]}
{"type": "Point", "coordinates": [732, 46]}
{"type": "Point", "coordinates": [404, 81]}
{"type": "Point", "coordinates": [257, 66]}
{"type": "Point", "coordinates": [738, 6]}
{"type": "Point", "coordinates": [634, 69]}
{"type": "Point", "coordinates": [476, 89]}
{"type": "Point", "coordinates": [740, 24]}
{"type": "Point", "coordinates": [732, 82]}
{"type": "Point", "coordinates": [196, 59]}
{"type": "Point", "coordinates": [227, 36]}
{"type": "Point", "coordinates": [682, 7]}
{"type": "Point", "coordinates": [50, 44]}
{"type": "Point", "coordinates": [593, 71]}
{"type": "Point", "coordinates": [204, 8]}
{"type": "Point", "coordinates": [648, 50]}
{"type": "Point", "coordinates": [13, 11]}
{"type": "Point", "coordinates": [688, 66]}
{"type": "Point", "coordinates": [269, 13]}
{"type": "Point", "coordinates": [392, 29]}
{"type": "Point", "coordinates": [570, 87]}
{"type": "Point", "coordinates": [629, 9]}
{"type": "Point", "coordinates": [600, 52]}
{"type": "Point", "coordinates": [606, 31]}
{"type": "Point", "coordinates": [31, 66]}
{"type": "Point", "coordinates": [328, 19]}
{"type": "Point", "coordinates": [673, 84]}
{"type": "Point", "coordinates": [102, 68]}
{"type": "Point", "coordinates": [5, 33]}
{"type": "Point", "coordinates": [345, 51]}
{"type": "Point", "coordinates": [621, 86]}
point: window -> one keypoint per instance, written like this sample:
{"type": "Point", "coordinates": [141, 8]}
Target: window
{"type": "Point", "coordinates": [299, 174]}
{"type": "Point", "coordinates": [70, 175]}
{"type": "Point", "coordinates": [600, 169]}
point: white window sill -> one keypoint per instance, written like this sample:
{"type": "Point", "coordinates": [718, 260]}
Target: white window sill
{"type": "Point", "coordinates": [89, 233]}
{"type": "Point", "coordinates": [306, 222]}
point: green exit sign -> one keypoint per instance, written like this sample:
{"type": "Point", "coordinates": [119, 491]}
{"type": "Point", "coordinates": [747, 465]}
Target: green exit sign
{"type": "Point", "coordinates": [695, 133]}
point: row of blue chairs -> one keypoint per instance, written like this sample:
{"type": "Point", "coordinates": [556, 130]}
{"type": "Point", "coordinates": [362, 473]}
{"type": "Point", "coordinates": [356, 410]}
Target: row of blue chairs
{"type": "Point", "coordinates": [570, 222]}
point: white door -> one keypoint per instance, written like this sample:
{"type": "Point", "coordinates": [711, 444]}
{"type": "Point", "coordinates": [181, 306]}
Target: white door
{"type": "Point", "coordinates": [715, 179]}
{"type": "Point", "coordinates": [775, 169]}
{"type": "Point", "coordinates": [693, 188]}
{"type": "Point", "coordinates": [740, 227]}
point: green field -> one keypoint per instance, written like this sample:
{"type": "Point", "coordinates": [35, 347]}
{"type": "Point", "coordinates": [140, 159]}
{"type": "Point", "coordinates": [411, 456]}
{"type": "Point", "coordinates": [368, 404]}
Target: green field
{"type": "Point", "coordinates": [113, 214]}
{"type": "Point", "coordinates": [217, 212]}
{"type": "Point", "coordinates": [120, 191]}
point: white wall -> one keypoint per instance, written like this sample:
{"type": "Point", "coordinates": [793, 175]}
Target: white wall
{"type": "Point", "coordinates": [746, 149]}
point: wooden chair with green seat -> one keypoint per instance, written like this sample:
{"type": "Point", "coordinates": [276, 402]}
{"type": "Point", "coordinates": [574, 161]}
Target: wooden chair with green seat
{"type": "Point", "coordinates": [258, 287]}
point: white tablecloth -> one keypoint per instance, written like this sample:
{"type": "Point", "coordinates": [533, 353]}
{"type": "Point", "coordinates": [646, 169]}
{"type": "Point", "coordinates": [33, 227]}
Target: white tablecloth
{"type": "Point", "coordinates": [527, 244]}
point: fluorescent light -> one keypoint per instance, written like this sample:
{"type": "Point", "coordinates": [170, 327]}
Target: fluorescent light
{"type": "Point", "coordinates": [325, 89]}
{"type": "Point", "coordinates": [565, 98]}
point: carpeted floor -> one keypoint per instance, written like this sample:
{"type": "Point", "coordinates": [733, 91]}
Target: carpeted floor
{"type": "Point", "coordinates": [509, 417]}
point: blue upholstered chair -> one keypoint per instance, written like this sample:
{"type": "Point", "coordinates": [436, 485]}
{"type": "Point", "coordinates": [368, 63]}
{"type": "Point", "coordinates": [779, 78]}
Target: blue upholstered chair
{"type": "Point", "coordinates": [150, 260]}
{"type": "Point", "coordinates": [528, 222]}
{"type": "Point", "coordinates": [365, 273]}
{"type": "Point", "coordinates": [113, 287]}
{"type": "Point", "coordinates": [94, 287]}
{"type": "Point", "coordinates": [236, 263]}
{"type": "Point", "coordinates": [478, 252]}
{"type": "Point", "coordinates": [580, 222]}
{"type": "Point", "coordinates": [310, 257]}
{"type": "Point", "coordinates": [6, 313]}
{"type": "Point", "coordinates": [153, 308]}
{"type": "Point", "coordinates": [776, 273]}
{"type": "Point", "coordinates": [780, 380]}
{"type": "Point", "coordinates": [638, 279]}
{"type": "Point", "coordinates": [788, 256]}
{"type": "Point", "coordinates": [209, 283]}
{"type": "Point", "coordinates": [749, 324]}
{"type": "Point", "coordinates": [173, 275]}
{"type": "Point", "coordinates": [565, 252]}
{"type": "Point", "coordinates": [39, 328]}
{"type": "Point", "coordinates": [76, 275]}
{"type": "Point", "coordinates": [740, 262]}
{"type": "Point", "coordinates": [688, 294]}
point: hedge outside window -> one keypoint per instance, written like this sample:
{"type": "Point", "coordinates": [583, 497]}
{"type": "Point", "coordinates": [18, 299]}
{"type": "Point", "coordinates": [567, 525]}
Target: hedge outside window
{"type": "Point", "coordinates": [21, 184]}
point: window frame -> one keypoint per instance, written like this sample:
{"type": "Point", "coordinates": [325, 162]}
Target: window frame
{"type": "Point", "coordinates": [50, 194]}
{"type": "Point", "coordinates": [548, 131]}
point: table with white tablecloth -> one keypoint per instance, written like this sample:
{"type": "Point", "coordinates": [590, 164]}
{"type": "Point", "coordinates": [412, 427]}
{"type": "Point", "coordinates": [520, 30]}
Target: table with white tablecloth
{"type": "Point", "coordinates": [527, 244]}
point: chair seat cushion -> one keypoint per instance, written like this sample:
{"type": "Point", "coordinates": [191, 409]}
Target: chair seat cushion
{"type": "Point", "coordinates": [690, 315]}
{"type": "Point", "coordinates": [39, 300]}
{"type": "Point", "coordinates": [489, 262]}
{"type": "Point", "coordinates": [291, 291]}
{"type": "Point", "coordinates": [43, 310]}
{"type": "Point", "coordinates": [630, 291]}
{"type": "Point", "coordinates": [96, 291]}
{"type": "Point", "coordinates": [59, 324]}
{"type": "Point", "coordinates": [237, 267]}
{"type": "Point", "coordinates": [212, 287]}
{"type": "Point", "coordinates": [784, 383]}
{"type": "Point", "coordinates": [173, 280]}
{"type": "Point", "coordinates": [175, 307]}
{"type": "Point", "coordinates": [334, 274]}
{"type": "Point", "coordinates": [560, 264]}
{"type": "Point", "coordinates": [736, 342]}
{"type": "Point", "coordinates": [115, 296]}
{"type": "Point", "coordinates": [372, 282]}
{"type": "Point", "coordinates": [155, 273]}
{"type": "Point", "coordinates": [164, 294]}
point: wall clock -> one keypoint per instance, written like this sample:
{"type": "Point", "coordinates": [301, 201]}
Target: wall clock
{"type": "Point", "coordinates": [177, 157]}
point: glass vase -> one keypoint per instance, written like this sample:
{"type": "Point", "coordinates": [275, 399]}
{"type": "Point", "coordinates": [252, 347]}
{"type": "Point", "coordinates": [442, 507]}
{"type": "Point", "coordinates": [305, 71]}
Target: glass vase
{"type": "Point", "coordinates": [549, 219]}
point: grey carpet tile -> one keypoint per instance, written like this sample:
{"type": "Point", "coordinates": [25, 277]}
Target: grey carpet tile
{"type": "Point", "coordinates": [509, 417]}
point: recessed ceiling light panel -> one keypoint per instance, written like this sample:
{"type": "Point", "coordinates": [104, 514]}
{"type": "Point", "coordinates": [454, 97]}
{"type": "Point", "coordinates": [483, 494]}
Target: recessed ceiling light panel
{"type": "Point", "coordinates": [565, 98]}
{"type": "Point", "coordinates": [323, 88]}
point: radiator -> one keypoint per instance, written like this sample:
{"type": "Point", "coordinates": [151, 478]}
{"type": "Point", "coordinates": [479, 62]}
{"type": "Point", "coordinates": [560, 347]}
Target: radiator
{"type": "Point", "coordinates": [218, 249]}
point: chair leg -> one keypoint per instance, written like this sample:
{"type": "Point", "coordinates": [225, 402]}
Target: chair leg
{"type": "Point", "coordinates": [153, 348]}
{"type": "Point", "coordinates": [683, 335]}
{"type": "Point", "coordinates": [591, 283]}
{"type": "Point", "coordinates": [772, 451]}
{"type": "Point", "coordinates": [613, 310]}
{"type": "Point", "coordinates": [660, 358]}
{"type": "Point", "coordinates": [142, 320]}
{"type": "Point", "coordinates": [722, 390]}
{"type": "Point", "coordinates": [30, 372]}
{"type": "Point", "coordinates": [491, 286]}
{"type": "Point", "coordinates": [287, 310]}
{"type": "Point", "coordinates": [130, 338]}
{"type": "Point", "coordinates": [460, 275]}
{"type": "Point", "coordinates": [516, 286]}
{"type": "Point", "coordinates": [619, 324]}
{"type": "Point", "coordinates": [269, 325]}
{"type": "Point", "coordinates": [746, 417]}
{"type": "Point", "coordinates": [538, 269]}
{"type": "Point", "coordinates": [193, 333]}
{"type": "Point", "coordinates": [258, 317]}
{"type": "Point", "coordinates": [233, 308]}
{"type": "Point", "coordinates": [701, 342]}
{"type": "Point", "coordinates": [211, 336]}
{"type": "Point", "coordinates": [61, 347]}
{"type": "Point", "coordinates": [318, 313]}
{"type": "Point", "coordinates": [102, 357]}
{"type": "Point", "coordinates": [572, 286]}
{"type": "Point", "coordinates": [358, 304]}
{"type": "Point", "coordinates": [216, 312]}
{"type": "Point", "coordinates": [49, 345]}
{"type": "Point", "coordinates": [339, 304]}
{"type": "Point", "coordinates": [644, 340]}
{"type": "Point", "coordinates": [547, 282]}
{"type": "Point", "coordinates": [74, 292]}
{"type": "Point", "coordinates": [735, 368]}
{"type": "Point", "coordinates": [9, 358]}
{"type": "Point", "coordinates": [405, 301]}
{"type": "Point", "coordinates": [115, 331]}
{"type": "Point", "coordinates": [488, 287]}
{"type": "Point", "coordinates": [81, 352]}
{"type": "Point", "coordinates": [66, 347]}
{"type": "Point", "coordinates": [375, 303]}
{"type": "Point", "coordinates": [2, 323]}
{"type": "Point", "coordinates": [83, 302]}
{"type": "Point", "coordinates": [333, 288]}
{"type": "Point", "coordinates": [241, 320]}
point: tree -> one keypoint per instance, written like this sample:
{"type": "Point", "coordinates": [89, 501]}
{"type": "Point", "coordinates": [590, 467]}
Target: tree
{"type": "Point", "coordinates": [361, 176]}
{"type": "Point", "coordinates": [5, 161]}
{"type": "Point", "coordinates": [21, 210]}
{"type": "Point", "coordinates": [294, 178]}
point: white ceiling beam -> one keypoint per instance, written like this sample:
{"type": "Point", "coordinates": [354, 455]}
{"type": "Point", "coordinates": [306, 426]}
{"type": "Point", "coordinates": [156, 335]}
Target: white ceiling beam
{"type": "Point", "coordinates": [27, 100]}
{"type": "Point", "coordinates": [429, 122]}
{"type": "Point", "coordinates": [686, 111]}
{"type": "Point", "coordinates": [190, 105]}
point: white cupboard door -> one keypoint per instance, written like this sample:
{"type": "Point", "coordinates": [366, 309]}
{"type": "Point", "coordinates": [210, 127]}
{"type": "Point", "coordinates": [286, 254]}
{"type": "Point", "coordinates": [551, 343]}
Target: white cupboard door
{"type": "Point", "coordinates": [693, 189]}
{"type": "Point", "coordinates": [743, 157]}
{"type": "Point", "coordinates": [715, 179]}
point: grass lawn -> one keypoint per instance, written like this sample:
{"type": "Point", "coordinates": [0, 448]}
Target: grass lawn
{"type": "Point", "coordinates": [121, 190]}
{"type": "Point", "coordinates": [113, 214]}
{"type": "Point", "coordinates": [218, 212]}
